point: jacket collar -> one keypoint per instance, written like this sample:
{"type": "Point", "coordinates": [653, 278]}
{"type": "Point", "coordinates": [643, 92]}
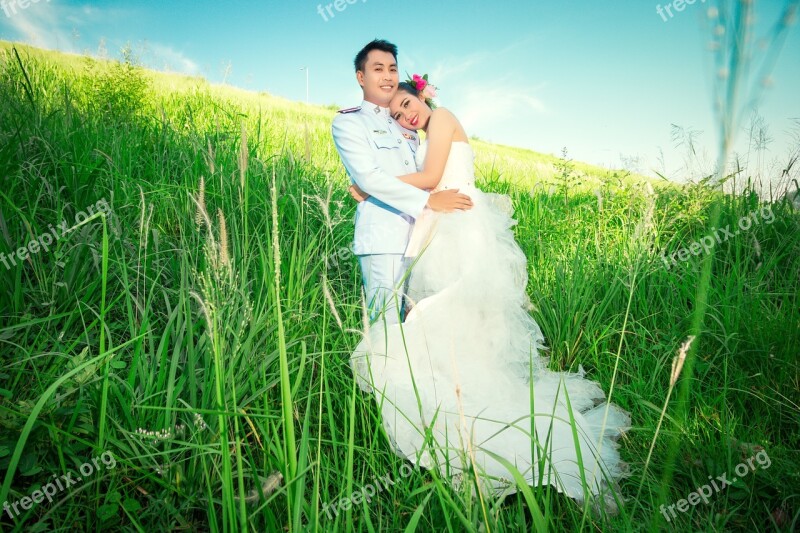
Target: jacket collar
{"type": "Point", "coordinates": [374, 109]}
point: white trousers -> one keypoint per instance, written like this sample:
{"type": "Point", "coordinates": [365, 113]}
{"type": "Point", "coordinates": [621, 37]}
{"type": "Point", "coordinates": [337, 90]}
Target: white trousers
{"type": "Point", "coordinates": [384, 285]}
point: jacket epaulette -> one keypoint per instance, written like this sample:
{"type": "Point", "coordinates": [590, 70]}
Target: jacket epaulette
{"type": "Point", "coordinates": [350, 110]}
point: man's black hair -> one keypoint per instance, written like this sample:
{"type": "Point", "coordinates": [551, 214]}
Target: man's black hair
{"type": "Point", "coordinates": [377, 44]}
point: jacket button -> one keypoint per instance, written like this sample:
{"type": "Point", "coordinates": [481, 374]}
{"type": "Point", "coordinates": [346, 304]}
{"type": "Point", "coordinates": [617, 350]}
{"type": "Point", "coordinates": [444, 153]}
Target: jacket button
{"type": "Point", "coordinates": [399, 141]}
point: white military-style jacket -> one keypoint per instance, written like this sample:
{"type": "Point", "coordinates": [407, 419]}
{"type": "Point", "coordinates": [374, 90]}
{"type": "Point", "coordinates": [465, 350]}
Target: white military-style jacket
{"type": "Point", "coordinates": [375, 150]}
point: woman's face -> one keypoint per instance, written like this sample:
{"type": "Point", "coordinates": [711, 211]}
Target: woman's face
{"type": "Point", "coordinates": [410, 111]}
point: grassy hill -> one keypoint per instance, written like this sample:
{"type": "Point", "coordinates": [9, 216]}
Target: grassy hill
{"type": "Point", "coordinates": [516, 165]}
{"type": "Point", "coordinates": [178, 303]}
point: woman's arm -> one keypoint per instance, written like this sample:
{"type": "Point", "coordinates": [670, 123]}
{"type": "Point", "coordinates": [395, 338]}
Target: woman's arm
{"type": "Point", "coordinates": [441, 131]}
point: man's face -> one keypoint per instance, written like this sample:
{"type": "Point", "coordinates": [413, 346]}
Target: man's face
{"type": "Point", "coordinates": [379, 78]}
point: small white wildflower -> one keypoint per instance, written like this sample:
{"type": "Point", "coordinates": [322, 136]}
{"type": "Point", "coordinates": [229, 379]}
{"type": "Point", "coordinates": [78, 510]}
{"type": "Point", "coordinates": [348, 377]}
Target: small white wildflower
{"type": "Point", "coordinates": [199, 422]}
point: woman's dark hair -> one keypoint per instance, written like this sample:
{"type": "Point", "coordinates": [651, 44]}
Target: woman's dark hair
{"type": "Point", "coordinates": [410, 89]}
{"type": "Point", "coordinates": [407, 87]}
{"type": "Point", "coordinates": [377, 44]}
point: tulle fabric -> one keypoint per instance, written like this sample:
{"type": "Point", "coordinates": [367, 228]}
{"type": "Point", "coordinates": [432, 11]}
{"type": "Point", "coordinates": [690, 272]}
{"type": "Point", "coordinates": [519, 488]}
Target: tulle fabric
{"type": "Point", "coordinates": [462, 384]}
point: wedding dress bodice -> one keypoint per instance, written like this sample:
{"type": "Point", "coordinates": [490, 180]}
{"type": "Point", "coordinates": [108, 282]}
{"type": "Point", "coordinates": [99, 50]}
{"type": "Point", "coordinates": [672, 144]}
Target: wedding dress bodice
{"type": "Point", "coordinates": [459, 171]}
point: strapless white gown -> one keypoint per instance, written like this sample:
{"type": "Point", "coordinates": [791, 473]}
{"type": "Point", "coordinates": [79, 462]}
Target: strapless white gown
{"type": "Point", "coordinates": [454, 380]}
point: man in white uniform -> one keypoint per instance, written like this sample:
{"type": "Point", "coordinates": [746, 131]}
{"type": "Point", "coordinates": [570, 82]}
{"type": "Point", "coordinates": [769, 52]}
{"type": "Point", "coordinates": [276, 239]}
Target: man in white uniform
{"type": "Point", "coordinates": [375, 150]}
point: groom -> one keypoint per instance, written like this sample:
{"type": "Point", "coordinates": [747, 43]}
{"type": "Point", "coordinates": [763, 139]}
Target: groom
{"type": "Point", "coordinates": [375, 150]}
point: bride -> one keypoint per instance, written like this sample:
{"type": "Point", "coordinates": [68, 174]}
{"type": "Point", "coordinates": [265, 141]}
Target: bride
{"type": "Point", "coordinates": [461, 384]}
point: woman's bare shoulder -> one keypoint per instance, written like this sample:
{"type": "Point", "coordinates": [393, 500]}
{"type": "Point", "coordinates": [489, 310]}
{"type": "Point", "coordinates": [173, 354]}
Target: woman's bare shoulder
{"type": "Point", "coordinates": [442, 112]}
{"type": "Point", "coordinates": [443, 117]}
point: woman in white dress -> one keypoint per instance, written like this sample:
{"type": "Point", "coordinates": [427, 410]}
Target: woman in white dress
{"type": "Point", "coordinates": [461, 383]}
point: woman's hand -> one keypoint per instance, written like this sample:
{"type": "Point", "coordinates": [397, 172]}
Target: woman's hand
{"type": "Point", "coordinates": [357, 194]}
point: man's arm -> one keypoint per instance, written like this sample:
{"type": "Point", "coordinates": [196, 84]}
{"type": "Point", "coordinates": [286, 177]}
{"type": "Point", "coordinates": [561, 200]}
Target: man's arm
{"type": "Point", "coordinates": [364, 170]}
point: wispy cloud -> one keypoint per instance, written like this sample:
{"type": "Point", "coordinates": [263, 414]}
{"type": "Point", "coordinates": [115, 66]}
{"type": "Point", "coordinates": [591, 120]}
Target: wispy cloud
{"type": "Point", "coordinates": [166, 58]}
{"type": "Point", "coordinates": [39, 24]}
{"type": "Point", "coordinates": [484, 104]}
{"type": "Point", "coordinates": [70, 28]}
{"type": "Point", "coordinates": [457, 67]}
{"type": "Point", "coordinates": [500, 102]}
{"type": "Point", "coordinates": [58, 26]}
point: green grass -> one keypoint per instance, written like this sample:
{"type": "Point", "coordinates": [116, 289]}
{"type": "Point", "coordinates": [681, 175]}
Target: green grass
{"type": "Point", "coordinates": [163, 311]}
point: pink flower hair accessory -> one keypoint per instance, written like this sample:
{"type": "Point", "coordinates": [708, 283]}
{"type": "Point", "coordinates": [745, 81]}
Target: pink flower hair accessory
{"type": "Point", "coordinates": [427, 89]}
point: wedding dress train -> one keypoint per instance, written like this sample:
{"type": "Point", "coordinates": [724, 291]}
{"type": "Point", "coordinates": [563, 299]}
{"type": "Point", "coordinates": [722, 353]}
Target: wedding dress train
{"type": "Point", "coordinates": [461, 383]}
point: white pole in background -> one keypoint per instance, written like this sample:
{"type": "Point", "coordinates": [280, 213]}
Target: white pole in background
{"type": "Point", "coordinates": [306, 69]}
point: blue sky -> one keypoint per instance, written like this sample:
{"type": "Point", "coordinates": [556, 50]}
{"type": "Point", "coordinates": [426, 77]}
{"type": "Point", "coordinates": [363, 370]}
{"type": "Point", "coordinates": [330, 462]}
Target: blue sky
{"type": "Point", "coordinates": [605, 79]}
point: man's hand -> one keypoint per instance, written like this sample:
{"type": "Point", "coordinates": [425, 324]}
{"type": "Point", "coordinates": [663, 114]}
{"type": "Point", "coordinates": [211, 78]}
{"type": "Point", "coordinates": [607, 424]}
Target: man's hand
{"type": "Point", "coordinates": [357, 194]}
{"type": "Point", "coordinates": [449, 200]}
